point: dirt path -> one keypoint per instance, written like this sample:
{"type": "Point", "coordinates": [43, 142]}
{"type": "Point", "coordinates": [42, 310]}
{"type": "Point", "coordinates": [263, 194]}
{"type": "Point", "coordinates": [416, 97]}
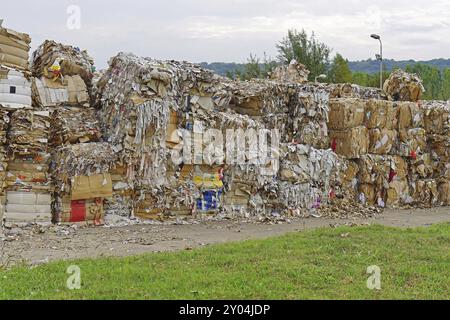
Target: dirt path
{"type": "Point", "coordinates": [51, 245]}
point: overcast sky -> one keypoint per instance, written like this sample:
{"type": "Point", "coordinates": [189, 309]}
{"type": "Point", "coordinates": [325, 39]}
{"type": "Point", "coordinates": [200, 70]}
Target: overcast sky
{"type": "Point", "coordinates": [208, 30]}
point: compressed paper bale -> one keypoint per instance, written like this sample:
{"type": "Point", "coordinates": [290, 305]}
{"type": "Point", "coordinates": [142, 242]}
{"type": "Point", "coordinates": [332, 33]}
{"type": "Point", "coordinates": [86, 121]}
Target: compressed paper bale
{"type": "Point", "coordinates": [410, 115]}
{"type": "Point", "coordinates": [14, 48]}
{"type": "Point", "coordinates": [312, 133]}
{"type": "Point", "coordinates": [375, 169]}
{"type": "Point", "coordinates": [444, 192]}
{"type": "Point", "coordinates": [403, 86]}
{"type": "Point", "coordinates": [349, 90]}
{"type": "Point", "coordinates": [412, 140]}
{"type": "Point", "coordinates": [351, 143]}
{"type": "Point", "coordinates": [436, 117]}
{"type": "Point", "coordinates": [440, 145]}
{"type": "Point", "coordinates": [398, 193]}
{"type": "Point", "coordinates": [346, 113]}
{"type": "Point", "coordinates": [400, 167]}
{"type": "Point", "coordinates": [382, 140]}
{"type": "Point", "coordinates": [348, 176]}
{"type": "Point", "coordinates": [380, 114]}
{"type": "Point", "coordinates": [425, 192]}
{"type": "Point", "coordinates": [422, 166]}
{"type": "Point", "coordinates": [367, 194]}
{"type": "Point", "coordinates": [294, 72]}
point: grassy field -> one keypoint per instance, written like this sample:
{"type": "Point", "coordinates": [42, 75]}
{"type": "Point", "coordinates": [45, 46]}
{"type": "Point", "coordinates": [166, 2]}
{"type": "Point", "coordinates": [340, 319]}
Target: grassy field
{"type": "Point", "coordinates": [320, 264]}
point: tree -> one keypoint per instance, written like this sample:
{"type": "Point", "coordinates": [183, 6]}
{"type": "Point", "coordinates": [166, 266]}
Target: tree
{"type": "Point", "coordinates": [307, 50]}
{"type": "Point", "coordinates": [254, 68]}
{"type": "Point", "coordinates": [446, 84]}
{"type": "Point", "coordinates": [340, 71]}
{"type": "Point", "coordinates": [432, 80]}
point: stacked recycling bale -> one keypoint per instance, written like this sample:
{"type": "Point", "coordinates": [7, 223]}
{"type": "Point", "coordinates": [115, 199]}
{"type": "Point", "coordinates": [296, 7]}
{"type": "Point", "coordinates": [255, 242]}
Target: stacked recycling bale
{"type": "Point", "coordinates": [403, 86]}
{"type": "Point", "coordinates": [27, 181]}
{"type": "Point", "coordinates": [62, 85]}
{"type": "Point", "coordinates": [430, 170]}
{"type": "Point", "coordinates": [82, 182]}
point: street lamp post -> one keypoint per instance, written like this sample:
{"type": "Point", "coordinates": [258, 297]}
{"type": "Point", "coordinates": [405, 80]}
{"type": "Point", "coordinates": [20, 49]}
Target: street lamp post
{"type": "Point", "coordinates": [379, 57]}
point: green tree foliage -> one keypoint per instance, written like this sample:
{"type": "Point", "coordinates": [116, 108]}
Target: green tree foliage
{"type": "Point", "coordinates": [305, 49]}
{"type": "Point", "coordinates": [432, 80]}
{"type": "Point", "coordinates": [254, 68]}
{"type": "Point", "coordinates": [339, 71]}
{"type": "Point", "coordinates": [446, 84]}
{"type": "Point", "coordinates": [368, 79]}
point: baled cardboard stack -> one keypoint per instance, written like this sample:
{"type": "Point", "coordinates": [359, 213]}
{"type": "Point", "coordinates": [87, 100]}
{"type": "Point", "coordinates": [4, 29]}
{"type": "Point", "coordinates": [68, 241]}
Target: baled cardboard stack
{"type": "Point", "coordinates": [348, 135]}
{"type": "Point", "coordinates": [27, 175]}
{"type": "Point", "coordinates": [15, 84]}
{"type": "Point", "coordinates": [62, 85]}
{"type": "Point", "coordinates": [403, 86]}
{"type": "Point", "coordinates": [82, 181]}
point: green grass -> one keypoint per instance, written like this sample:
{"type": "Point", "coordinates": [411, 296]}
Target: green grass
{"type": "Point", "coordinates": [318, 264]}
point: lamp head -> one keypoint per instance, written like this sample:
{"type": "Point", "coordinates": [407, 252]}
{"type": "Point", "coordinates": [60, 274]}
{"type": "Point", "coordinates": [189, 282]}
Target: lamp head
{"type": "Point", "coordinates": [375, 36]}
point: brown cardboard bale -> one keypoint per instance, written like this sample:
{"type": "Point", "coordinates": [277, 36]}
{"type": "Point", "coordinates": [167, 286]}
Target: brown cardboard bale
{"type": "Point", "coordinates": [374, 169]}
{"type": "Point", "coordinates": [422, 167]}
{"type": "Point", "coordinates": [367, 194]}
{"type": "Point", "coordinates": [380, 114]}
{"type": "Point", "coordinates": [346, 113]}
{"type": "Point", "coordinates": [348, 178]}
{"type": "Point", "coordinates": [403, 86]}
{"type": "Point", "coordinates": [398, 192]}
{"type": "Point", "coordinates": [440, 145]}
{"type": "Point", "coordinates": [400, 167]}
{"type": "Point", "coordinates": [444, 192]}
{"type": "Point", "coordinates": [425, 192]}
{"type": "Point", "coordinates": [351, 143]}
{"type": "Point", "coordinates": [410, 115]}
{"type": "Point", "coordinates": [90, 187]}
{"type": "Point", "coordinates": [436, 118]}
{"type": "Point", "coordinates": [14, 48]}
{"type": "Point", "coordinates": [382, 140]}
{"type": "Point", "coordinates": [412, 140]}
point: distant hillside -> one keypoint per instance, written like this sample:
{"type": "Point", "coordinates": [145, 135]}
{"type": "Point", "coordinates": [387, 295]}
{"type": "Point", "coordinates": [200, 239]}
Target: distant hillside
{"type": "Point", "coordinates": [373, 66]}
{"type": "Point", "coordinates": [368, 66]}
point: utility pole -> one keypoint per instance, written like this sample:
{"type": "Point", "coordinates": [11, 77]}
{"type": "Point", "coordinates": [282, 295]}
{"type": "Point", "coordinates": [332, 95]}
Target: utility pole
{"type": "Point", "coordinates": [379, 58]}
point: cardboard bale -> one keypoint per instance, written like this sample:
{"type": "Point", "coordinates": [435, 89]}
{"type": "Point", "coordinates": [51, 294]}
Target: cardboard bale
{"type": "Point", "coordinates": [346, 113]}
{"type": "Point", "coordinates": [351, 143]}
{"type": "Point", "coordinates": [54, 60]}
{"type": "Point", "coordinates": [14, 48]}
{"type": "Point", "coordinates": [436, 117]}
{"type": "Point", "coordinates": [15, 89]}
{"type": "Point", "coordinates": [398, 193]}
{"type": "Point", "coordinates": [444, 192]}
{"type": "Point", "coordinates": [86, 212]}
{"type": "Point", "coordinates": [410, 115]}
{"type": "Point", "coordinates": [71, 125]}
{"type": "Point", "coordinates": [403, 86]}
{"type": "Point", "coordinates": [349, 90]}
{"type": "Point", "coordinates": [367, 194]}
{"type": "Point", "coordinates": [380, 114]}
{"type": "Point", "coordinates": [27, 207]}
{"type": "Point", "coordinates": [294, 72]}
{"type": "Point", "coordinates": [382, 141]}
{"type": "Point", "coordinates": [70, 90]}
{"type": "Point", "coordinates": [424, 192]}
{"type": "Point", "coordinates": [421, 167]}
{"type": "Point", "coordinates": [412, 141]}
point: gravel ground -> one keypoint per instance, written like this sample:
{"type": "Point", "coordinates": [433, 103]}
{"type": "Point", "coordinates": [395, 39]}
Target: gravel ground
{"type": "Point", "coordinates": [37, 245]}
